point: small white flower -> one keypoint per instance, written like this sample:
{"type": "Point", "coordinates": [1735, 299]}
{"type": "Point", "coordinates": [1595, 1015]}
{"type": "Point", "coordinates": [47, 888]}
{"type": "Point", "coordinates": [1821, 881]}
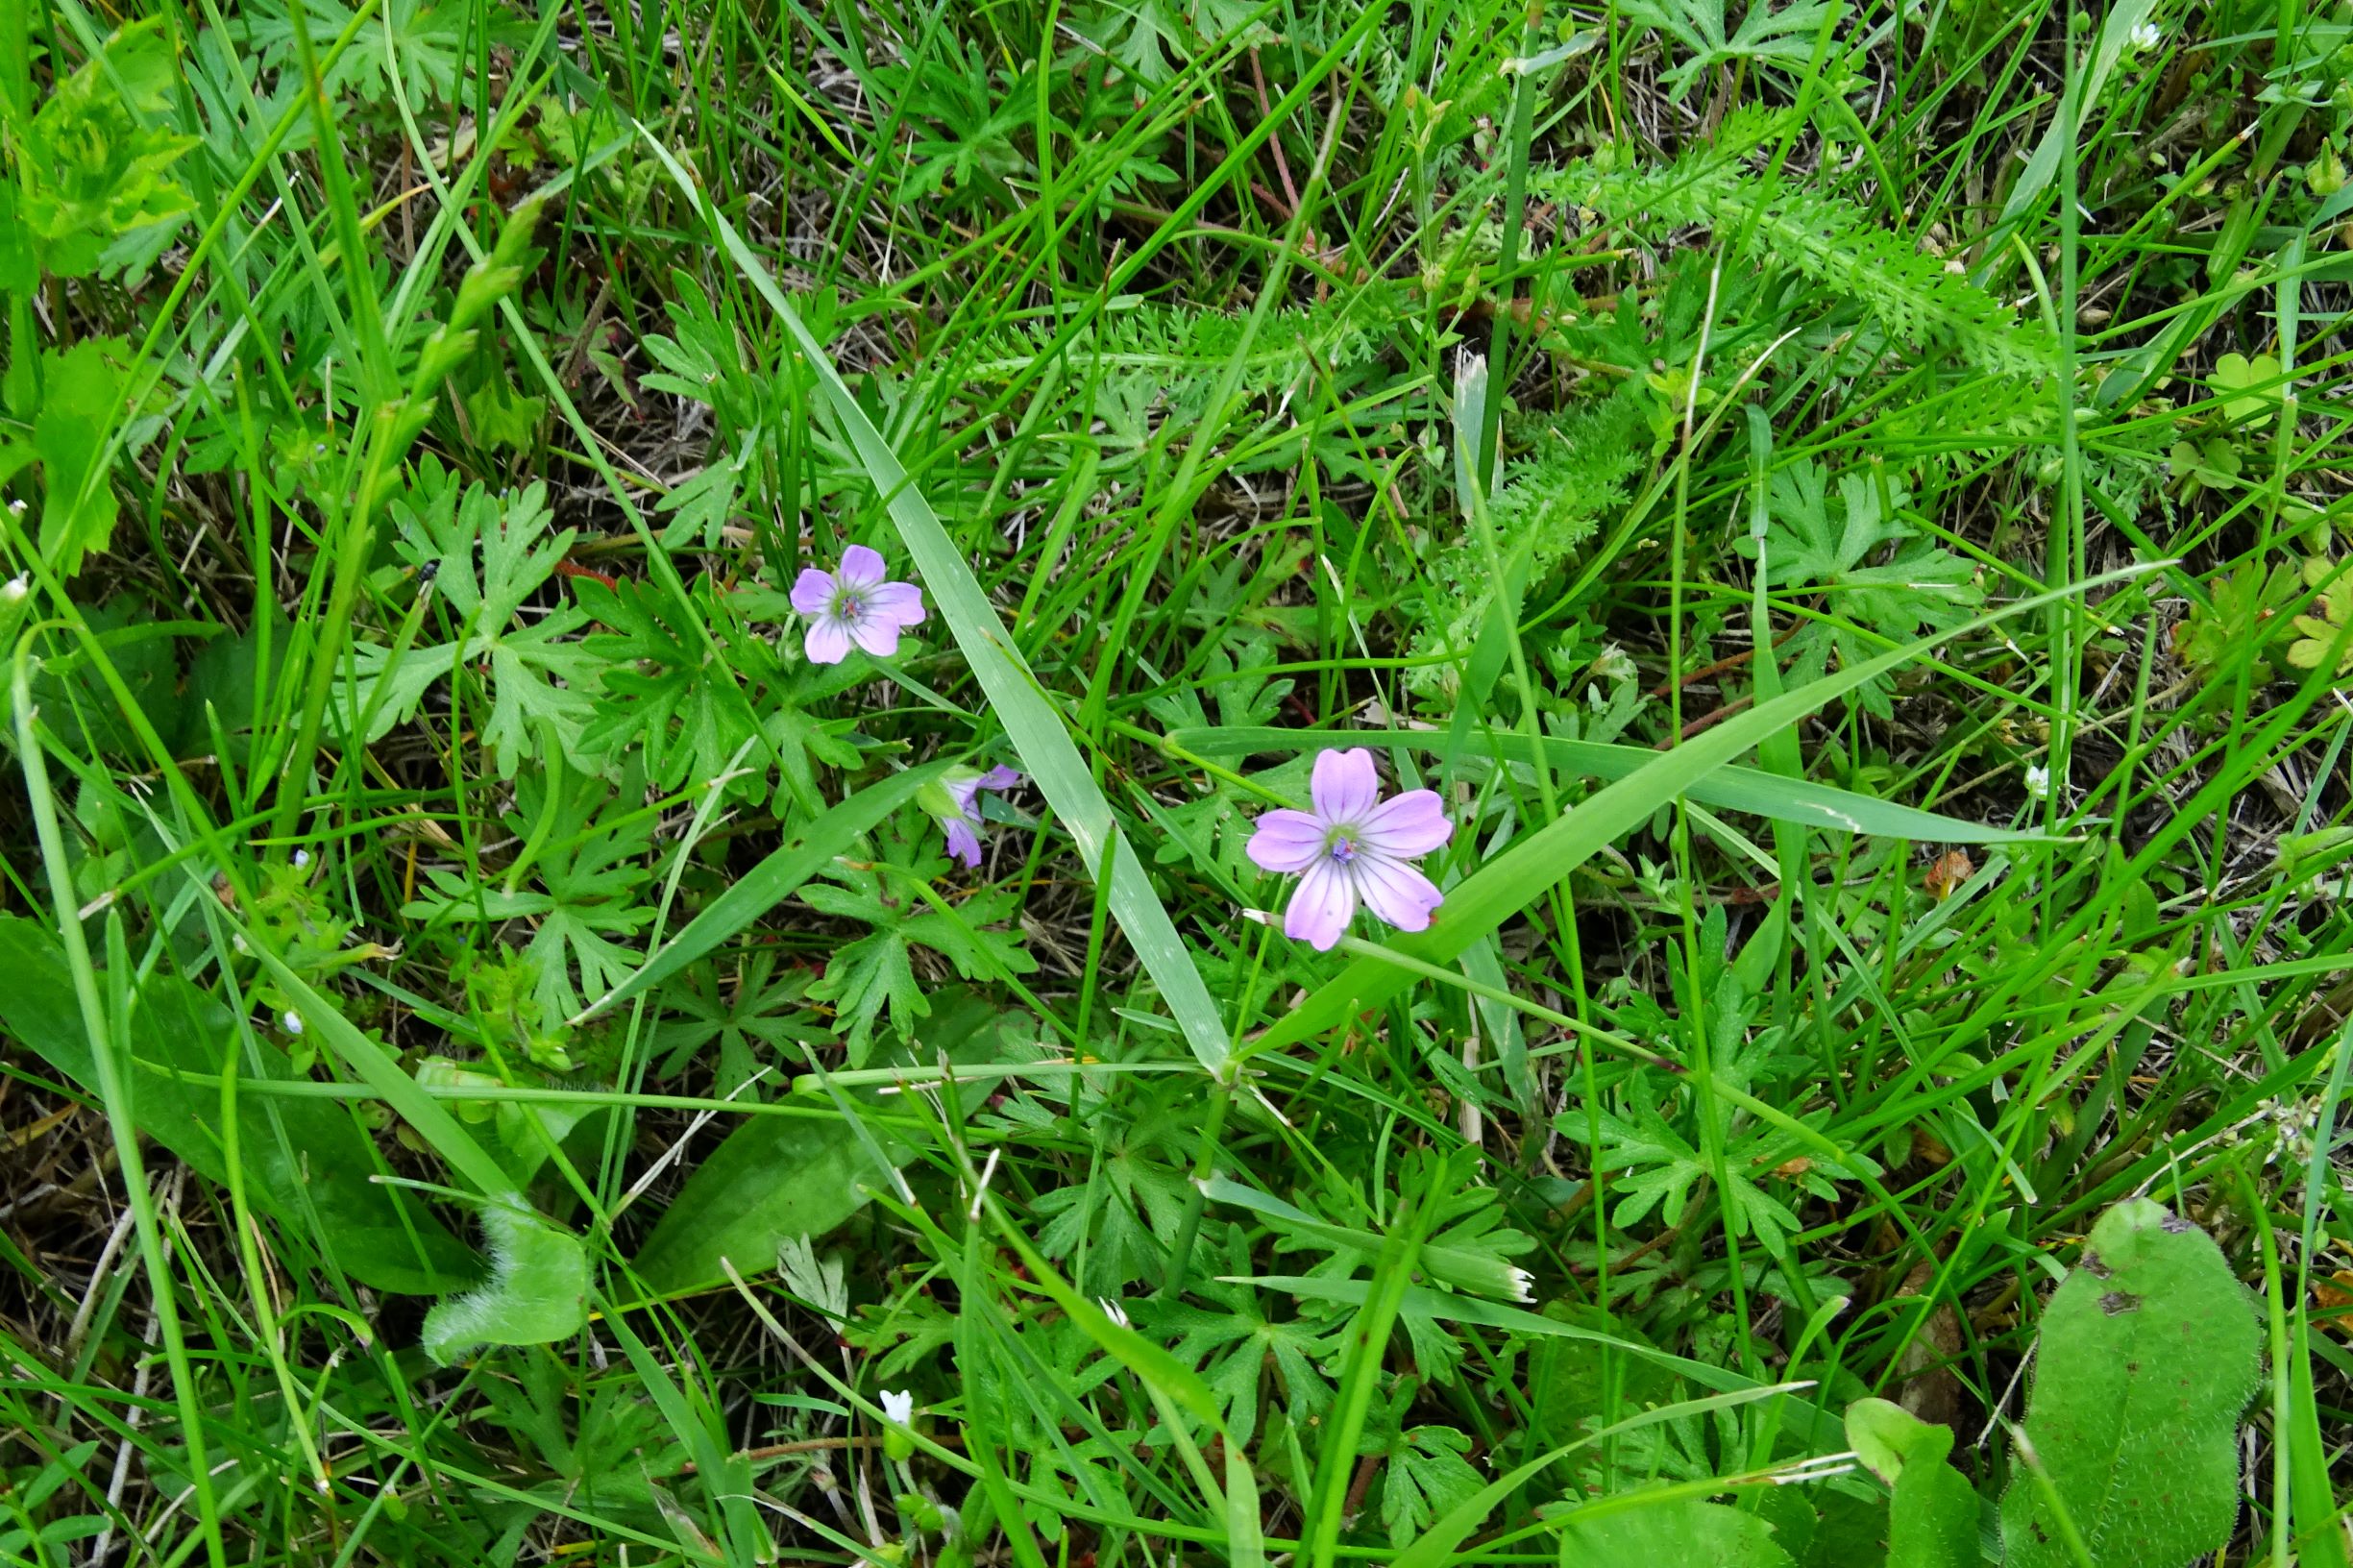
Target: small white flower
{"type": "Point", "coordinates": [293, 1022]}
{"type": "Point", "coordinates": [17, 589]}
{"type": "Point", "coordinates": [1114, 1310]}
{"type": "Point", "coordinates": [2038, 781]}
{"type": "Point", "coordinates": [2146, 38]}
{"type": "Point", "coordinates": [17, 508]}
{"type": "Point", "coordinates": [898, 1408]}
{"type": "Point", "coordinates": [302, 858]}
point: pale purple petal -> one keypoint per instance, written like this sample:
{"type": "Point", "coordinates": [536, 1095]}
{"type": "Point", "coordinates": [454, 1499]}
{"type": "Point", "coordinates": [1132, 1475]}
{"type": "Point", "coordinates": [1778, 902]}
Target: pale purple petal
{"type": "Point", "coordinates": [999, 779]}
{"type": "Point", "coordinates": [962, 791]}
{"type": "Point", "coordinates": [1319, 911]}
{"type": "Point", "coordinates": [876, 635]}
{"type": "Point", "coordinates": [828, 641]}
{"type": "Point", "coordinates": [861, 566]}
{"type": "Point", "coordinates": [1414, 823]}
{"type": "Point", "coordinates": [899, 602]}
{"type": "Point", "coordinates": [812, 590]}
{"type": "Point", "coordinates": [1396, 892]}
{"type": "Point", "coordinates": [1287, 840]}
{"type": "Point", "coordinates": [962, 842]}
{"type": "Point", "coordinates": [1346, 786]}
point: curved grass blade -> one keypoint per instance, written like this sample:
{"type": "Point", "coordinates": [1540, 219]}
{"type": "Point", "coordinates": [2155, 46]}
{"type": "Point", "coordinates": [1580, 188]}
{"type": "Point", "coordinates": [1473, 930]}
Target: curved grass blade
{"type": "Point", "coordinates": [1420, 1301]}
{"type": "Point", "coordinates": [768, 884]}
{"type": "Point", "coordinates": [1485, 1273]}
{"type": "Point", "coordinates": [1732, 788]}
{"type": "Point", "coordinates": [1030, 719]}
{"type": "Point", "coordinates": [1509, 883]}
{"type": "Point", "coordinates": [381, 1072]}
{"type": "Point", "coordinates": [1434, 1547]}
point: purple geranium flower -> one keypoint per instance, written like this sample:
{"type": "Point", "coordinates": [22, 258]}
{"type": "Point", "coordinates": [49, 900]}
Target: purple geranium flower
{"type": "Point", "coordinates": [1353, 845]}
{"type": "Point", "coordinates": [855, 606]}
{"type": "Point", "coordinates": [963, 828]}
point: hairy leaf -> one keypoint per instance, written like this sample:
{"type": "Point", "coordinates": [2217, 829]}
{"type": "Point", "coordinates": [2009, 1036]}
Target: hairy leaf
{"type": "Point", "coordinates": [2149, 1352]}
{"type": "Point", "coordinates": [1933, 1521]}
{"type": "Point", "coordinates": [537, 1290]}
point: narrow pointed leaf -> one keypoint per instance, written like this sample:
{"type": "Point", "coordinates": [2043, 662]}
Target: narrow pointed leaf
{"type": "Point", "coordinates": [1029, 716]}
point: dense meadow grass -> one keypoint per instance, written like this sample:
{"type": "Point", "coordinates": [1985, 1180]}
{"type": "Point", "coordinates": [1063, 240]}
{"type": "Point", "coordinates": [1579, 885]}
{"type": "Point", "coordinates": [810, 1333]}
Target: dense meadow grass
{"type": "Point", "coordinates": [1068, 783]}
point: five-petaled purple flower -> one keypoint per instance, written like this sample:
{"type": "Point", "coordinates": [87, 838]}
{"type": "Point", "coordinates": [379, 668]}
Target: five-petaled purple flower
{"type": "Point", "coordinates": [855, 606]}
{"type": "Point", "coordinates": [1353, 845]}
{"type": "Point", "coordinates": [963, 829]}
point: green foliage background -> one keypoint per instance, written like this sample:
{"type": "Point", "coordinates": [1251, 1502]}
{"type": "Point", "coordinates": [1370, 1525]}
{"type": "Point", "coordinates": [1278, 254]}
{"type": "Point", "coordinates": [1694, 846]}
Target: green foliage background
{"type": "Point", "coordinates": [1844, 503]}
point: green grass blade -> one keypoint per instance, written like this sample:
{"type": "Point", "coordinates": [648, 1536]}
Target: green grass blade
{"type": "Point", "coordinates": [376, 1066]}
{"type": "Point", "coordinates": [768, 884]}
{"type": "Point", "coordinates": [107, 1038]}
{"type": "Point", "coordinates": [1733, 788]}
{"type": "Point", "coordinates": [1509, 883]}
{"type": "Point", "coordinates": [1030, 719]}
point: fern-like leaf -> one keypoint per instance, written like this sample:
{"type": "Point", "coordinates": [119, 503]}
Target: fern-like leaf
{"type": "Point", "coordinates": [1172, 356]}
{"type": "Point", "coordinates": [1920, 301]}
{"type": "Point", "coordinates": [1574, 469]}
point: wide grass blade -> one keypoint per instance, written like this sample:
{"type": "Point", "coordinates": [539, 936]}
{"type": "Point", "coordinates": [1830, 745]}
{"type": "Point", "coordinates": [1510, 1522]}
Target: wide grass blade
{"type": "Point", "coordinates": [1507, 884]}
{"type": "Point", "coordinates": [378, 1069]}
{"type": "Point", "coordinates": [1030, 719]}
{"type": "Point", "coordinates": [768, 884]}
{"type": "Point", "coordinates": [1733, 788]}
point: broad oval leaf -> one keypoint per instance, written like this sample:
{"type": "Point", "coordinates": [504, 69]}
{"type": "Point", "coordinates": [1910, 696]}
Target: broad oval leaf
{"type": "Point", "coordinates": [1677, 1533]}
{"type": "Point", "coordinates": [2149, 1352]}
{"type": "Point", "coordinates": [782, 1175]}
{"type": "Point", "coordinates": [1932, 1522]}
{"type": "Point", "coordinates": [306, 1162]}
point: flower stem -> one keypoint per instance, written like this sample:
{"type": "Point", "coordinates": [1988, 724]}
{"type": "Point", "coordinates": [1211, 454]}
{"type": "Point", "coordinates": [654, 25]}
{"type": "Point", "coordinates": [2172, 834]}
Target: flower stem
{"type": "Point", "coordinates": [1173, 1286]}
